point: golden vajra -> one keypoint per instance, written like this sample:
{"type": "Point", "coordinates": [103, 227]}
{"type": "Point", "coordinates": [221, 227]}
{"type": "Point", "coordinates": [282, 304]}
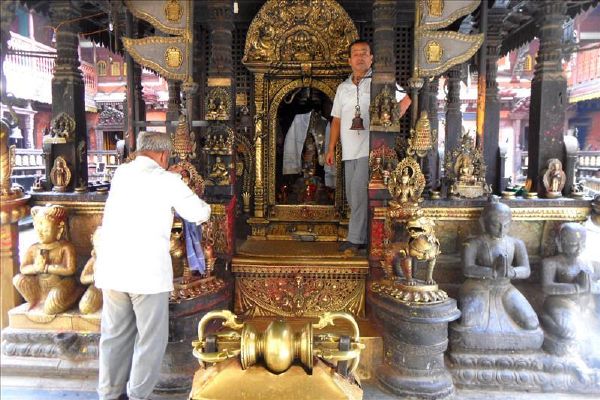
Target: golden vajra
{"type": "Point", "coordinates": [279, 345]}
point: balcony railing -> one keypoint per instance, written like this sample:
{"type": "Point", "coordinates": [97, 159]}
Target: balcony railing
{"type": "Point", "coordinates": [29, 69]}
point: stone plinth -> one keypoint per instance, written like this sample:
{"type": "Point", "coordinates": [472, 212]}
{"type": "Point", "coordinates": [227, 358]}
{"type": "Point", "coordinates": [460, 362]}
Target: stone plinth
{"type": "Point", "coordinates": [415, 339]}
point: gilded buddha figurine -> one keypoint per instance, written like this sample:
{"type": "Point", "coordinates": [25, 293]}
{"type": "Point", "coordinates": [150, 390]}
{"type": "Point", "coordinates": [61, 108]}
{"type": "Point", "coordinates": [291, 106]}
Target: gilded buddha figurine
{"type": "Point", "coordinates": [48, 269]}
{"type": "Point", "coordinates": [495, 315]}
{"type": "Point", "coordinates": [568, 281]}
{"type": "Point", "coordinates": [91, 301]}
{"type": "Point", "coordinates": [219, 173]}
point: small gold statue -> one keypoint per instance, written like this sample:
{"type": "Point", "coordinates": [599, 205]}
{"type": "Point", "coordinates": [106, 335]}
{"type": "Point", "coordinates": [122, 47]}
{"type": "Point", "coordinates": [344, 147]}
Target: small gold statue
{"type": "Point", "coordinates": [554, 179]}
{"type": "Point", "coordinates": [91, 301]}
{"type": "Point", "coordinates": [376, 172]}
{"type": "Point", "coordinates": [406, 184]}
{"type": "Point", "coordinates": [420, 141]}
{"type": "Point", "coordinates": [7, 157]}
{"type": "Point", "coordinates": [184, 142]}
{"type": "Point", "coordinates": [219, 174]}
{"type": "Point", "coordinates": [48, 268]}
{"type": "Point", "coordinates": [465, 169]}
{"type": "Point", "coordinates": [60, 175]}
{"type": "Point", "coordinates": [217, 104]}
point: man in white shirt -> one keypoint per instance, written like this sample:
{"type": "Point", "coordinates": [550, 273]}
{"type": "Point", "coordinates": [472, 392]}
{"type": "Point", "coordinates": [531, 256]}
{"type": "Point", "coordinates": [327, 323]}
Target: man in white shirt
{"type": "Point", "coordinates": [355, 144]}
{"type": "Point", "coordinates": [133, 267]}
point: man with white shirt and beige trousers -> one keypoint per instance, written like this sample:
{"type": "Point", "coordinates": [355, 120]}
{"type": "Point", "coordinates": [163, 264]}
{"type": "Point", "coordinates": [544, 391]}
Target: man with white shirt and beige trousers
{"type": "Point", "coordinates": [133, 267]}
{"type": "Point", "coordinates": [356, 91]}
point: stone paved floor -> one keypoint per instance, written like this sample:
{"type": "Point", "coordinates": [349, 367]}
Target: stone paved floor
{"type": "Point", "coordinates": [371, 392]}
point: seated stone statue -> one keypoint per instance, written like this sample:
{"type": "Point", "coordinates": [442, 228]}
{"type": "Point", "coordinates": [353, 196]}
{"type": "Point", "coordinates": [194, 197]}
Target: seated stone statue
{"type": "Point", "coordinates": [91, 301]}
{"type": "Point", "coordinates": [48, 269]}
{"type": "Point", "coordinates": [568, 281]}
{"type": "Point", "coordinates": [495, 315]}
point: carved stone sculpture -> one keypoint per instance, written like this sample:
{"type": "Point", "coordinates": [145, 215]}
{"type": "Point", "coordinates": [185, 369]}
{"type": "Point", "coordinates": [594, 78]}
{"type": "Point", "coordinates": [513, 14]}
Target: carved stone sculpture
{"type": "Point", "coordinates": [495, 315]}
{"type": "Point", "coordinates": [385, 114]}
{"type": "Point", "coordinates": [554, 179]}
{"type": "Point", "coordinates": [48, 269]}
{"type": "Point", "coordinates": [91, 301]}
{"type": "Point", "coordinates": [62, 129]}
{"type": "Point", "coordinates": [568, 280]}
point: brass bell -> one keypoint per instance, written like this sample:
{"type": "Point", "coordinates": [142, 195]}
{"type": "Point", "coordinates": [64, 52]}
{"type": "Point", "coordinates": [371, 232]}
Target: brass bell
{"type": "Point", "coordinates": [357, 121]}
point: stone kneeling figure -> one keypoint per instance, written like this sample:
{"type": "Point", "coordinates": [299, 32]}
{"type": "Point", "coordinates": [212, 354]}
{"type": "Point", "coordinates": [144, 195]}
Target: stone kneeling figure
{"type": "Point", "coordinates": [91, 301]}
{"type": "Point", "coordinates": [569, 281]}
{"type": "Point", "coordinates": [48, 269]}
{"type": "Point", "coordinates": [495, 315]}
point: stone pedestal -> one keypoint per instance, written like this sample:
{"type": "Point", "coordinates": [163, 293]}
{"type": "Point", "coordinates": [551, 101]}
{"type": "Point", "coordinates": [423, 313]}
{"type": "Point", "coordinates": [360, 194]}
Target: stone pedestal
{"type": "Point", "coordinates": [415, 338]}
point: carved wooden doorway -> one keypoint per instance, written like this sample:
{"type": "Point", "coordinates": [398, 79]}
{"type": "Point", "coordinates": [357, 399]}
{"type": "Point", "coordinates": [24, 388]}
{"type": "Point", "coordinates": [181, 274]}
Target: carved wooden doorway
{"type": "Point", "coordinates": [296, 49]}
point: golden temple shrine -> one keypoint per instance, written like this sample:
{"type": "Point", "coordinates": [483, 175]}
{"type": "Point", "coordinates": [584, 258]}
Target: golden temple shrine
{"type": "Point", "coordinates": [473, 274]}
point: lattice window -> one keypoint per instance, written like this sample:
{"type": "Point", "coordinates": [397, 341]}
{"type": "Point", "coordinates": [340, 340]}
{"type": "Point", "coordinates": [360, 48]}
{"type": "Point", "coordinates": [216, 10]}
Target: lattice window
{"type": "Point", "coordinates": [115, 69]}
{"type": "Point", "coordinates": [403, 54]}
{"type": "Point", "coordinates": [101, 65]}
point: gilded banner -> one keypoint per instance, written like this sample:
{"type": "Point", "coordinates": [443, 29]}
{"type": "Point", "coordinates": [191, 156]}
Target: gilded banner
{"type": "Point", "coordinates": [170, 16]}
{"type": "Point", "coordinates": [167, 56]}
{"type": "Point", "coordinates": [437, 14]}
{"type": "Point", "coordinates": [439, 51]}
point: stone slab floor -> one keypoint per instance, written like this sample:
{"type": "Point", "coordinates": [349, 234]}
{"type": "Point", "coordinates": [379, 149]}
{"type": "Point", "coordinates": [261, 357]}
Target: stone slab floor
{"type": "Point", "coordinates": [371, 392]}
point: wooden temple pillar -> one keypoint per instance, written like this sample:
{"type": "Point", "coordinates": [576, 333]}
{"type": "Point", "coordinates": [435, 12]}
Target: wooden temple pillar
{"type": "Point", "coordinates": [548, 94]}
{"type": "Point", "coordinates": [384, 73]}
{"type": "Point", "coordinates": [174, 104]}
{"type": "Point", "coordinates": [434, 158]}
{"type": "Point", "coordinates": [491, 124]}
{"type": "Point", "coordinates": [135, 110]}
{"type": "Point", "coordinates": [68, 94]}
{"type": "Point", "coordinates": [453, 113]}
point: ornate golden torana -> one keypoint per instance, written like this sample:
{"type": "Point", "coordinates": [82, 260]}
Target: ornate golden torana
{"type": "Point", "coordinates": [465, 170]}
{"type": "Point", "coordinates": [291, 32]}
{"type": "Point", "coordinates": [385, 114]}
{"type": "Point", "coordinates": [278, 345]}
{"type": "Point", "coordinates": [62, 129]}
{"type": "Point", "coordinates": [60, 175]}
{"type": "Point", "coordinates": [47, 277]}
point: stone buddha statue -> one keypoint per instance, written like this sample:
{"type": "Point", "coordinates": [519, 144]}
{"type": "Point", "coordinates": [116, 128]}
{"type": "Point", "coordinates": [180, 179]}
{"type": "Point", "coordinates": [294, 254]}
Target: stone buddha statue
{"type": "Point", "coordinates": [495, 315]}
{"type": "Point", "coordinates": [91, 301]}
{"type": "Point", "coordinates": [568, 281]}
{"type": "Point", "coordinates": [47, 277]}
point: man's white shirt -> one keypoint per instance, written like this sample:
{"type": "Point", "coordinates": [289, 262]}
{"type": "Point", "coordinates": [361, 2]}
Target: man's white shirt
{"type": "Point", "coordinates": [355, 144]}
{"type": "Point", "coordinates": [133, 249]}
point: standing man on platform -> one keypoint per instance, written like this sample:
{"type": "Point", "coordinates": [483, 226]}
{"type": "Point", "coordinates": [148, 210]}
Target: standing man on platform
{"type": "Point", "coordinates": [133, 267]}
{"type": "Point", "coordinates": [356, 90]}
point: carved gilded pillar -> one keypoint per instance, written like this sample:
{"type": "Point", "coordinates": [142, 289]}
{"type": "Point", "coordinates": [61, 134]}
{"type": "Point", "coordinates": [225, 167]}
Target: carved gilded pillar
{"type": "Point", "coordinates": [68, 93]}
{"type": "Point", "coordinates": [548, 94]}
{"type": "Point", "coordinates": [453, 113]}
{"type": "Point", "coordinates": [434, 163]}
{"type": "Point", "coordinates": [259, 134]}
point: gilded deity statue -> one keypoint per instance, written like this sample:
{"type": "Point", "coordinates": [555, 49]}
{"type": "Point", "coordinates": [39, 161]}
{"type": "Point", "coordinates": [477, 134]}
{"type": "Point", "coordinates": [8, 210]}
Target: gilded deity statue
{"type": "Point", "coordinates": [495, 315]}
{"type": "Point", "coordinates": [48, 269]}
{"type": "Point", "coordinates": [7, 155]}
{"type": "Point", "coordinates": [219, 174]}
{"type": "Point", "coordinates": [377, 171]}
{"type": "Point", "coordinates": [569, 280]}
{"type": "Point", "coordinates": [465, 170]}
{"type": "Point", "coordinates": [91, 301]}
{"type": "Point", "coordinates": [60, 175]}
{"type": "Point", "coordinates": [404, 189]}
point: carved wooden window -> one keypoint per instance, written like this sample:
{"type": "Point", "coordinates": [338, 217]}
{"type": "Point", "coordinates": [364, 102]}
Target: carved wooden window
{"type": "Point", "coordinates": [101, 68]}
{"type": "Point", "coordinates": [124, 69]}
{"type": "Point", "coordinates": [115, 69]}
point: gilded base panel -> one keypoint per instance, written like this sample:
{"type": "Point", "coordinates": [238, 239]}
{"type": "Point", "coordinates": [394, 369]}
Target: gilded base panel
{"type": "Point", "coordinates": [298, 295]}
{"type": "Point", "coordinates": [21, 318]}
{"type": "Point", "coordinates": [227, 381]}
